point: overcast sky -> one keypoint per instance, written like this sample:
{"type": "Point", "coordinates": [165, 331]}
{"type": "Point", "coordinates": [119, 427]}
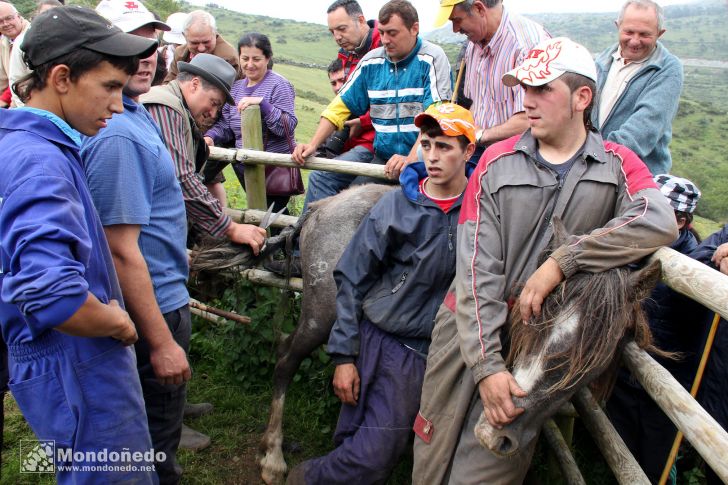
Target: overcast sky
{"type": "Point", "coordinates": [315, 10]}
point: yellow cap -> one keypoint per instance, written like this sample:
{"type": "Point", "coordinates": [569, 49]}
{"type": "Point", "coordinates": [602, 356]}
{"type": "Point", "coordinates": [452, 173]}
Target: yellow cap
{"type": "Point", "coordinates": [454, 120]}
{"type": "Point", "coordinates": [443, 15]}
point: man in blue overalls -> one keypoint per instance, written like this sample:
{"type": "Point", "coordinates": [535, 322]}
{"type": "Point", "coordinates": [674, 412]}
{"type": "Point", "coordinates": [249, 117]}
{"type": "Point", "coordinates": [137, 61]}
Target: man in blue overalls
{"type": "Point", "coordinates": [72, 371]}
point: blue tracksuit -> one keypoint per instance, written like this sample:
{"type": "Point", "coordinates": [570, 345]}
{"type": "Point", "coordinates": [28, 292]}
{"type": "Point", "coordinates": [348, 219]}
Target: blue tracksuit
{"type": "Point", "coordinates": [82, 393]}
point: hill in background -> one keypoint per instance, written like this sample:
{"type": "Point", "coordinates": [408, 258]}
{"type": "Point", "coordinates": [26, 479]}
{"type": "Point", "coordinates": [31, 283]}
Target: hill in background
{"type": "Point", "coordinates": [694, 31]}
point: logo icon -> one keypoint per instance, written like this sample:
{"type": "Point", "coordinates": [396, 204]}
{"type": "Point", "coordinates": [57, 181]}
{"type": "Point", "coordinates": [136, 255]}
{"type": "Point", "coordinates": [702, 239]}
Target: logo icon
{"type": "Point", "coordinates": [36, 456]}
{"type": "Point", "coordinates": [131, 5]}
{"type": "Point", "coordinates": [538, 63]}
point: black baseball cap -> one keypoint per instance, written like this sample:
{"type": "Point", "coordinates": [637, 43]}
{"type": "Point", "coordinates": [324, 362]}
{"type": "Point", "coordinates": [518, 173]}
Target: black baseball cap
{"type": "Point", "coordinates": [62, 30]}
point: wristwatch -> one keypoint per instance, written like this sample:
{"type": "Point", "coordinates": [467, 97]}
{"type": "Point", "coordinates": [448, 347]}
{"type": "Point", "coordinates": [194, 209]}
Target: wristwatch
{"type": "Point", "coordinates": [478, 136]}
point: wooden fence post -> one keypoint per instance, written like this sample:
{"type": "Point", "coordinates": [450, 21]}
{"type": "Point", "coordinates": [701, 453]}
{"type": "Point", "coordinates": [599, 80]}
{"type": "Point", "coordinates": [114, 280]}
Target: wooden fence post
{"type": "Point", "coordinates": [251, 126]}
{"type": "Point", "coordinates": [699, 427]}
{"type": "Point", "coordinates": [624, 466]}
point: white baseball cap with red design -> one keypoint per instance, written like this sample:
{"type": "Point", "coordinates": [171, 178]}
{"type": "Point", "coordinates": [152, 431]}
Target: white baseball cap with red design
{"type": "Point", "coordinates": [549, 60]}
{"type": "Point", "coordinates": [129, 15]}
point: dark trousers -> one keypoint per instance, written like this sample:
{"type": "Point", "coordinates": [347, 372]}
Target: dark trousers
{"type": "Point", "coordinates": [165, 403]}
{"type": "Point", "coordinates": [372, 436]}
{"type": "Point", "coordinates": [645, 429]}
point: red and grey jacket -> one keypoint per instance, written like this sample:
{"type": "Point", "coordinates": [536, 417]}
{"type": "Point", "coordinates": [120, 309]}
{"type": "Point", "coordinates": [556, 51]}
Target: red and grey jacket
{"type": "Point", "coordinates": [349, 60]}
{"type": "Point", "coordinates": [608, 201]}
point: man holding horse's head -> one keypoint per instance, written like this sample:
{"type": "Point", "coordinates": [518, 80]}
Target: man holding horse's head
{"type": "Point", "coordinates": [561, 168]}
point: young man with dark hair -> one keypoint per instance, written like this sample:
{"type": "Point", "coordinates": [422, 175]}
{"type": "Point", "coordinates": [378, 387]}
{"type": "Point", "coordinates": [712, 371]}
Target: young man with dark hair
{"type": "Point", "coordinates": [72, 371]}
{"type": "Point", "coordinates": [133, 184]}
{"type": "Point", "coordinates": [391, 279]}
{"type": "Point", "coordinates": [606, 198]}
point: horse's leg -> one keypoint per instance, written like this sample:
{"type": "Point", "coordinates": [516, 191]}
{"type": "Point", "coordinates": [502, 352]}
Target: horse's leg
{"type": "Point", "coordinates": [307, 336]}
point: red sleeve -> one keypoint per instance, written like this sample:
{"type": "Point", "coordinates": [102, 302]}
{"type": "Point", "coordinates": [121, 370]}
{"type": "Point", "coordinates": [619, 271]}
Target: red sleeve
{"type": "Point", "coordinates": [636, 173]}
{"type": "Point", "coordinates": [6, 96]}
{"type": "Point", "coordinates": [366, 121]}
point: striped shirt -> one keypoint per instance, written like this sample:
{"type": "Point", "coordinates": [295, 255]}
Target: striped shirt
{"type": "Point", "coordinates": [276, 111]}
{"type": "Point", "coordinates": [203, 209]}
{"type": "Point", "coordinates": [493, 102]}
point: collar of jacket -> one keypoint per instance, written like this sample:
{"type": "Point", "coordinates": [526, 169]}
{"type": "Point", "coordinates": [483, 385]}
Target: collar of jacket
{"type": "Point", "coordinates": [410, 56]}
{"type": "Point", "coordinates": [372, 41]}
{"type": "Point", "coordinates": [593, 146]}
{"type": "Point", "coordinates": [410, 178]}
{"type": "Point", "coordinates": [50, 126]}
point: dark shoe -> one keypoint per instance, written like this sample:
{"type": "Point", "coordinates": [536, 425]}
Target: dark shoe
{"type": "Point", "coordinates": [280, 267]}
{"type": "Point", "coordinates": [193, 411]}
{"type": "Point", "coordinates": [193, 440]}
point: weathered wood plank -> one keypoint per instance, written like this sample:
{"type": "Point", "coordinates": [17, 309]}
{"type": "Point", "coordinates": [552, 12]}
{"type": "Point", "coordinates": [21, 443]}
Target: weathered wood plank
{"type": "Point", "coordinates": [255, 157]}
{"type": "Point", "coordinates": [207, 309]}
{"type": "Point", "coordinates": [254, 216]}
{"type": "Point", "coordinates": [270, 279]}
{"type": "Point", "coordinates": [252, 127]}
{"type": "Point", "coordinates": [694, 279]}
{"type": "Point", "coordinates": [569, 468]}
{"type": "Point", "coordinates": [699, 428]}
{"type": "Point", "coordinates": [625, 468]}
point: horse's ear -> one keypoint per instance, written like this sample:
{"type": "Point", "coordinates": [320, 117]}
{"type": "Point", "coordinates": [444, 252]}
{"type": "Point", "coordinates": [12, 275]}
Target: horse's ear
{"type": "Point", "coordinates": [644, 280]}
{"type": "Point", "coordinates": [560, 234]}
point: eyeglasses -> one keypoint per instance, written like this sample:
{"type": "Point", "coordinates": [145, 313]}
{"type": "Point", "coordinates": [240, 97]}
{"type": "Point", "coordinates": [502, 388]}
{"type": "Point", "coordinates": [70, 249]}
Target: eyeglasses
{"type": "Point", "coordinates": [8, 19]}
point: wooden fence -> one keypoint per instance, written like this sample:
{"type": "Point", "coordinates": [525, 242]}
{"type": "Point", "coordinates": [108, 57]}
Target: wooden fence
{"type": "Point", "coordinates": [681, 273]}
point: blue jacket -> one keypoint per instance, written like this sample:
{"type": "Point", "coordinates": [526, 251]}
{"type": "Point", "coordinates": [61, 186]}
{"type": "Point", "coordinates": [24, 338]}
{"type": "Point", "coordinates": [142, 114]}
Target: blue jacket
{"type": "Point", "coordinates": [396, 269]}
{"type": "Point", "coordinates": [673, 329]}
{"type": "Point", "coordinates": [52, 245]}
{"type": "Point", "coordinates": [713, 395]}
{"type": "Point", "coordinates": [641, 119]}
{"type": "Point", "coordinates": [394, 93]}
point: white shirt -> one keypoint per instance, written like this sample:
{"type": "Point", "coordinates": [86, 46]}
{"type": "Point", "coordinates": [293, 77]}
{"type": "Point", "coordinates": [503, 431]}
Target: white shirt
{"type": "Point", "coordinates": [620, 74]}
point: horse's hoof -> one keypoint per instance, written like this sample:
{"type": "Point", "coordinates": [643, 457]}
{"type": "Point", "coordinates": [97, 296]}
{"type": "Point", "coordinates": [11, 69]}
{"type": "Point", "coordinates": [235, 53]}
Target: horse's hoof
{"type": "Point", "coordinates": [273, 468]}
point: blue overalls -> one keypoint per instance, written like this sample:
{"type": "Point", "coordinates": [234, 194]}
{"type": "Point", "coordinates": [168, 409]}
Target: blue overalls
{"type": "Point", "coordinates": [81, 394]}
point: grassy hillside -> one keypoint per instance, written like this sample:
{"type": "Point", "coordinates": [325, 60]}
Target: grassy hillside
{"type": "Point", "coordinates": [692, 31]}
{"type": "Point", "coordinates": [699, 152]}
{"type": "Point", "coordinates": [302, 50]}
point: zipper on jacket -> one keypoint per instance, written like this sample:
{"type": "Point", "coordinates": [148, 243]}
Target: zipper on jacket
{"type": "Point", "coordinates": [449, 236]}
{"type": "Point", "coordinates": [553, 206]}
{"type": "Point", "coordinates": [401, 282]}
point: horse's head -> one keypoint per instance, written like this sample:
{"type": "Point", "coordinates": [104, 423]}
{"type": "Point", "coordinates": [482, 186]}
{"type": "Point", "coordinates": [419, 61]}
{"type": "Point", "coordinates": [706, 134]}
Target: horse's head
{"type": "Point", "coordinates": [573, 343]}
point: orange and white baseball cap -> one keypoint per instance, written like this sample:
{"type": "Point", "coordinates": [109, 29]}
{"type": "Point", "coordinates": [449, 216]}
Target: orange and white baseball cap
{"type": "Point", "coordinates": [549, 60]}
{"type": "Point", "coordinates": [454, 120]}
{"type": "Point", "coordinates": [443, 15]}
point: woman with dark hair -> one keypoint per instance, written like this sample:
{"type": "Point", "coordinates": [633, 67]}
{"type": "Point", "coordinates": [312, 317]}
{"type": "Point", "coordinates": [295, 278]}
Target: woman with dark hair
{"type": "Point", "coordinates": [275, 96]}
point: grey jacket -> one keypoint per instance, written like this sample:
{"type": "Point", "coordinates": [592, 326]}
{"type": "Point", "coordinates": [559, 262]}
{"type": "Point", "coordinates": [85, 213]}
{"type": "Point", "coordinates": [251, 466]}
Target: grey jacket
{"type": "Point", "coordinates": [608, 200]}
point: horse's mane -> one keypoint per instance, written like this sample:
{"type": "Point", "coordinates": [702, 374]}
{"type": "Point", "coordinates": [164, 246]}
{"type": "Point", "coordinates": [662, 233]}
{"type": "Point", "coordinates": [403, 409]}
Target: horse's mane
{"type": "Point", "coordinates": [607, 311]}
